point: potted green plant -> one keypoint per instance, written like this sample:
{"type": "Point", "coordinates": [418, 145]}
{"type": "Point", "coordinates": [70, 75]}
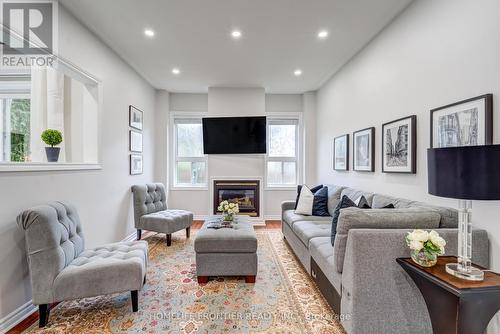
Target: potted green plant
{"type": "Point", "coordinates": [52, 137]}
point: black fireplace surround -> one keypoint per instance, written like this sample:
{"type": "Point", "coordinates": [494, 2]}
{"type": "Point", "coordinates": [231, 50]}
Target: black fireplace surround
{"type": "Point", "coordinates": [244, 192]}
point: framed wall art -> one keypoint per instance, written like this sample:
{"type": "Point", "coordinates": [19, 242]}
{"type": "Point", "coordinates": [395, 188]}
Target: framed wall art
{"type": "Point", "coordinates": [135, 118]}
{"type": "Point", "coordinates": [341, 153]}
{"type": "Point", "coordinates": [135, 164]}
{"type": "Point", "coordinates": [364, 150]}
{"type": "Point", "coordinates": [399, 146]}
{"type": "Point", "coordinates": [464, 123]}
{"type": "Point", "coordinates": [135, 141]}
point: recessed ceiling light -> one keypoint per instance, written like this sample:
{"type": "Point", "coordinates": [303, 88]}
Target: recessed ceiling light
{"type": "Point", "coordinates": [297, 72]}
{"type": "Point", "coordinates": [323, 34]}
{"type": "Point", "coordinates": [176, 71]}
{"type": "Point", "coordinates": [236, 34]}
{"type": "Point", "coordinates": [149, 32]}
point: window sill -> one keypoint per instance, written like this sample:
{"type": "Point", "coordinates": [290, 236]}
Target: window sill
{"type": "Point", "coordinates": [42, 167]}
{"type": "Point", "coordinates": [181, 188]}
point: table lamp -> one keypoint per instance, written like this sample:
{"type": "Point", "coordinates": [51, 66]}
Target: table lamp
{"type": "Point", "coordinates": [466, 173]}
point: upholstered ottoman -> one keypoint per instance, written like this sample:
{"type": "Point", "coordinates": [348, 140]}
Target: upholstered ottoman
{"type": "Point", "coordinates": [226, 252]}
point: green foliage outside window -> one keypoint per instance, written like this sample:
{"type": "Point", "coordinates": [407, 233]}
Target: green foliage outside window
{"type": "Point", "coordinates": [20, 129]}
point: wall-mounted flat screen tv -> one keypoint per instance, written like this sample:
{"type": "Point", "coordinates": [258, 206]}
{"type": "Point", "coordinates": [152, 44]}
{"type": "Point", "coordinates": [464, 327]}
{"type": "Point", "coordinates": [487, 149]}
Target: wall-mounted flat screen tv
{"type": "Point", "coordinates": [234, 135]}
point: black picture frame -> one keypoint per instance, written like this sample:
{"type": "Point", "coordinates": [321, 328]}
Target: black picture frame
{"type": "Point", "coordinates": [131, 122]}
{"type": "Point", "coordinates": [488, 118]}
{"type": "Point", "coordinates": [346, 157]}
{"type": "Point", "coordinates": [131, 148]}
{"type": "Point", "coordinates": [412, 122]}
{"type": "Point", "coordinates": [371, 149]}
{"type": "Point", "coordinates": [131, 162]}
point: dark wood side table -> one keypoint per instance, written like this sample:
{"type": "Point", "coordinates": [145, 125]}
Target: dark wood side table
{"type": "Point", "coordinates": [455, 306]}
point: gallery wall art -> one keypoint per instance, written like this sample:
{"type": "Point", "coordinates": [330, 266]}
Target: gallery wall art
{"type": "Point", "coordinates": [364, 150]}
{"type": "Point", "coordinates": [464, 123]}
{"type": "Point", "coordinates": [399, 146]}
{"type": "Point", "coordinates": [135, 121]}
{"type": "Point", "coordinates": [341, 153]}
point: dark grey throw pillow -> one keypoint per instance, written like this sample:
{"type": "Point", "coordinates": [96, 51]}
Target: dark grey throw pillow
{"type": "Point", "coordinates": [299, 188]}
{"type": "Point", "coordinates": [345, 202]}
{"type": "Point", "coordinates": [320, 203]}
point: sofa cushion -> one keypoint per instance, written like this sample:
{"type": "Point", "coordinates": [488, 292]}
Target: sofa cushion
{"type": "Point", "coordinates": [449, 216]}
{"type": "Point", "coordinates": [355, 218]}
{"type": "Point", "coordinates": [354, 194]}
{"type": "Point", "coordinates": [107, 269]}
{"type": "Point", "coordinates": [167, 221]}
{"type": "Point", "coordinates": [290, 217]}
{"type": "Point", "coordinates": [306, 230]}
{"type": "Point", "coordinates": [333, 197]}
{"type": "Point", "coordinates": [322, 252]}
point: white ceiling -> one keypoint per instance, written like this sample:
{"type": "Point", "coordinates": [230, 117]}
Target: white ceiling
{"type": "Point", "coordinates": [279, 36]}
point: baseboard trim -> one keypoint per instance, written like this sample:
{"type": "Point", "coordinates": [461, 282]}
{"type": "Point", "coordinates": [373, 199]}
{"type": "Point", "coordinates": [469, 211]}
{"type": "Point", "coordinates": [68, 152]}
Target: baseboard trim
{"type": "Point", "coordinates": [17, 316]}
{"type": "Point", "coordinates": [131, 237]}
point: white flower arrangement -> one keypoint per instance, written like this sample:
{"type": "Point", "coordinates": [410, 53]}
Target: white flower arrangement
{"type": "Point", "coordinates": [429, 243]}
{"type": "Point", "coordinates": [228, 208]}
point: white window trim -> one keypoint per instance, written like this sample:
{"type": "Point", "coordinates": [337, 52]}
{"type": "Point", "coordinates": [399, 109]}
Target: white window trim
{"type": "Point", "coordinates": [298, 150]}
{"type": "Point", "coordinates": [173, 152]}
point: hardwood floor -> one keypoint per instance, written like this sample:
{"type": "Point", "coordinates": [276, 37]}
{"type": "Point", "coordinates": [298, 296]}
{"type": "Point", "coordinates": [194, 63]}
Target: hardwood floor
{"type": "Point", "coordinates": [30, 320]}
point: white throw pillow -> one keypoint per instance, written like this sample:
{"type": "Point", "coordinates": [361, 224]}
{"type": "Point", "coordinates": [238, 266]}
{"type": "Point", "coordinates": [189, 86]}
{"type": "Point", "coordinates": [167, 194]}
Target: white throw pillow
{"type": "Point", "coordinates": [305, 204]}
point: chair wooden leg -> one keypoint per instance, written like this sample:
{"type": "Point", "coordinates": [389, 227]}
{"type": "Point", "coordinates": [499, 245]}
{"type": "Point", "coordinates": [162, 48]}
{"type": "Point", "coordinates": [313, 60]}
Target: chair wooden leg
{"type": "Point", "coordinates": [169, 240]}
{"type": "Point", "coordinates": [139, 234]}
{"type": "Point", "coordinates": [144, 282]}
{"type": "Point", "coordinates": [43, 314]}
{"type": "Point", "coordinates": [135, 300]}
{"type": "Point", "coordinates": [188, 232]}
{"type": "Point", "coordinates": [250, 279]}
{"type": "Point", "coordinates": [202, 279]}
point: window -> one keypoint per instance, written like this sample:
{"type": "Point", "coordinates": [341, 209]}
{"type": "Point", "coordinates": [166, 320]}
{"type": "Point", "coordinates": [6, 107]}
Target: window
{"type": "Point", "coordinates": [190, 162]}
{"type": "Point", "coordinates": [282, 152]}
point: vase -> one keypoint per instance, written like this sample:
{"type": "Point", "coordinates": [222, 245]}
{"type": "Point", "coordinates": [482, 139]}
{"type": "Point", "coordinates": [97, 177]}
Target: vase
{"type": "Point", "coordinates": [228, 217]}
{"type": "Point", "coordinates": [52, 153]}
{"type": "Point", "coordinates": [424, 259]}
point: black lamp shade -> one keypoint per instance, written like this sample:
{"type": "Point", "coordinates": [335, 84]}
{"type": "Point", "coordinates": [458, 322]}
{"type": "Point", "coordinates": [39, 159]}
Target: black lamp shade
{"type": "Point", "coordinates": [471, 172]}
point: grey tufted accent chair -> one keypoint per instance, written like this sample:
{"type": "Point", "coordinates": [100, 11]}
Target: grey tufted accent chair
{"type": "Point", "coordinates": [60, 267]}
{"type": "Point", "coordinates": [151, 213]}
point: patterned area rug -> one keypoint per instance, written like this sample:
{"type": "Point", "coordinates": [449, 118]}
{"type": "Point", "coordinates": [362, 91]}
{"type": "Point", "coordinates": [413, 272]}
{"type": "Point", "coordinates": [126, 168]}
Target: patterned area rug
{"type": "Point", "coordinates": [283, 300]}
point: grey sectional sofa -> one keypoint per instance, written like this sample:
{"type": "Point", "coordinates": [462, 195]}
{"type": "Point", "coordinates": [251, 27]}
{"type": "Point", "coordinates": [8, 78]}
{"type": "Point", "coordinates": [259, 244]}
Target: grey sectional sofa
{"type": "Point", "coordinates": [359, 276]}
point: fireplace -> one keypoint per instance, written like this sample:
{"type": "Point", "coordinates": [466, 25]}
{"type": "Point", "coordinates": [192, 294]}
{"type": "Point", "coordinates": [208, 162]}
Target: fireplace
{"type": "Point", "coordinates": [244, 192]}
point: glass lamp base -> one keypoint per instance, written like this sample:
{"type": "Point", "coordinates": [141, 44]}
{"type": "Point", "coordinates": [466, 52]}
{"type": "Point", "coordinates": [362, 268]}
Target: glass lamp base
{"type": "Point", "coordinates": [474, 275]}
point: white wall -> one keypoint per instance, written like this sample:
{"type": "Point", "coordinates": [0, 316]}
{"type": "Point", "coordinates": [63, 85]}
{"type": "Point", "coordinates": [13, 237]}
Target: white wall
{"type": "Point", "coordinates": [233, 102]}
{"type": "Point", "coordinates": [102, 197]}
{"type": "Point", "coordinates": [435, 53]}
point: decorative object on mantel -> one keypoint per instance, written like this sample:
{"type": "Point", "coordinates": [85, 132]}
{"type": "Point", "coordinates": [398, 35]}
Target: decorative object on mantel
{"type": "Point", "coordinates": [135, 141]}
{"type": "Point", "coordinates": [364, 150]}
{"type": "Point", "coordinates": [466, 173]}
{"type": "Point", "coordinates": [455, 306]}
{"type": "Point", "coordinates": [52, 137]}
{"type": "Point", "coordinates": [399, 146]}
{"type": "Point", "coordinates": [464, 123]}
{"type": "Point", "coordinates": [228, 210]}
{"type": "Point", "coordinates": [425, 247]}
{"type": "Point", "coordinates": [135, 164]}
{"type": "Point", "coordinates": [341, 153]}
{"type": "Point", "coordinates": [135, 118]}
